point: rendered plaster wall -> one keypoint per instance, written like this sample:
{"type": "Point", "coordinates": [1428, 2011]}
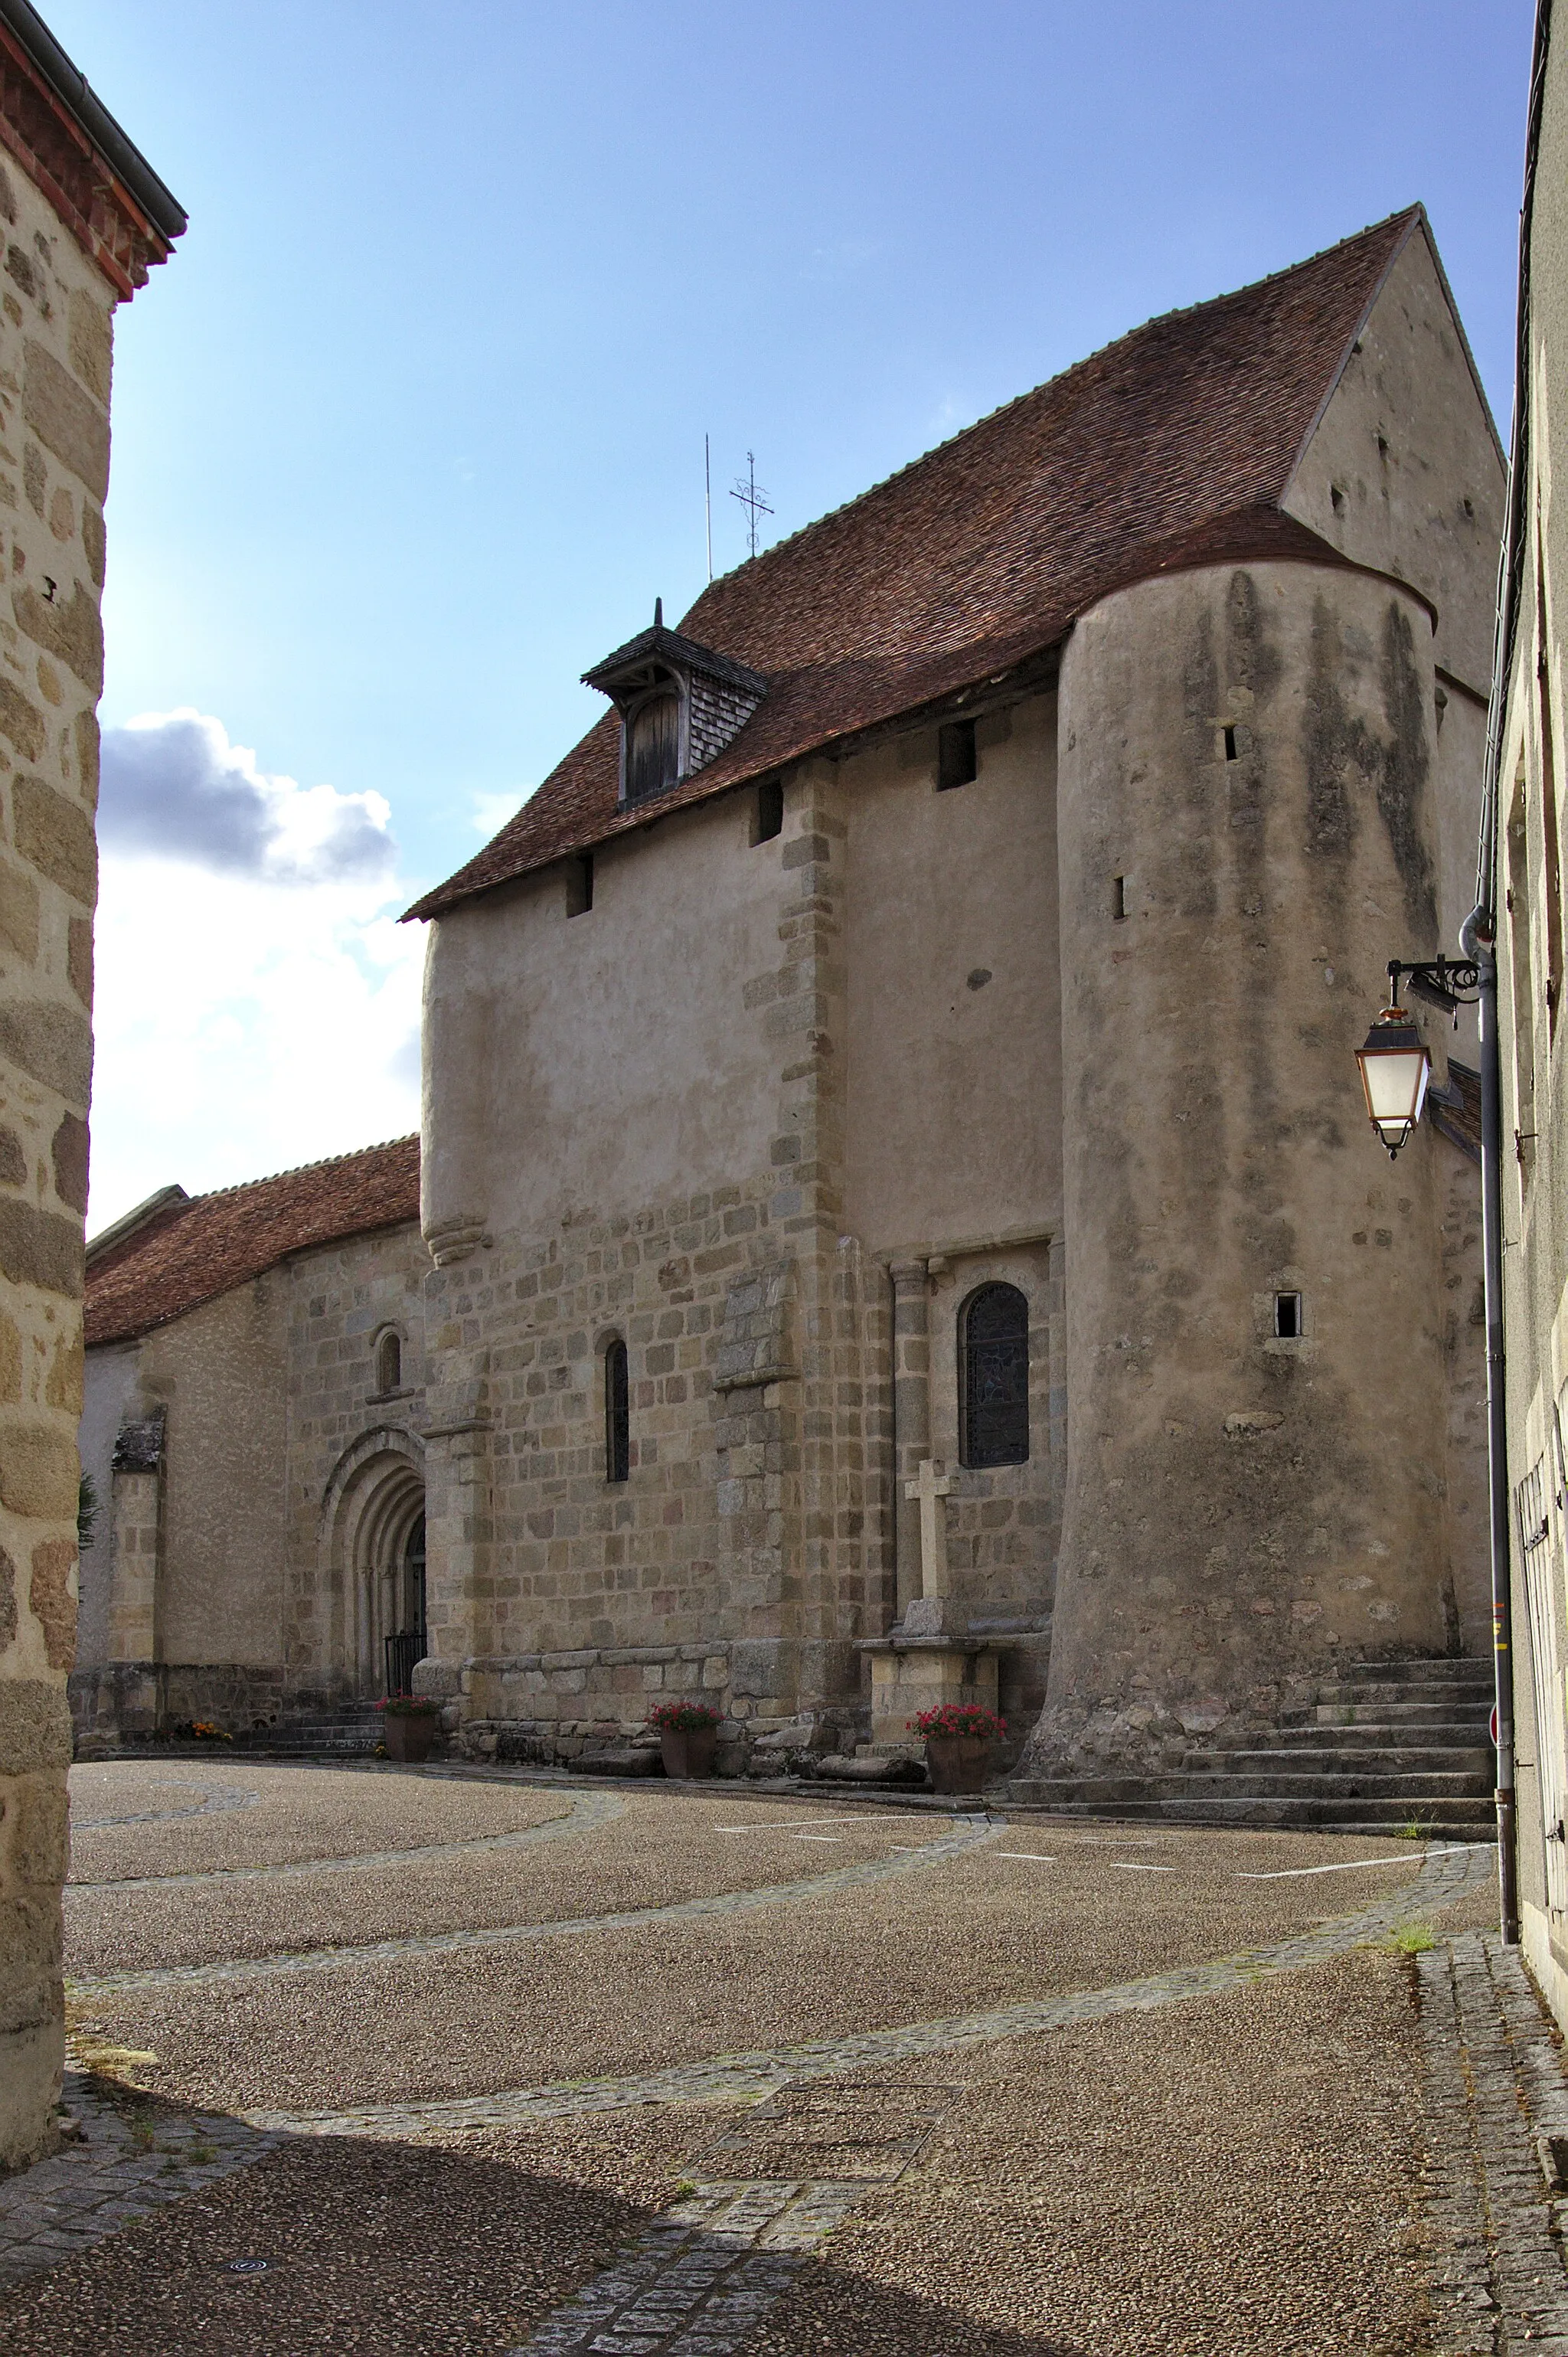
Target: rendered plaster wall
{"type": "Point", "coordinates": [579, 1068]}
{"type": "Point", "coordinates": [1403, 473]}
{"type": "Point", "coordinates": [1534, 1088]}
{"type": "Point", "coordinates": [1241, 1511]}
{"type": "Point", "coordinates": [355, 1461]}
{"type": "Point", "coordinates": [55, 342]}
{"type": "Point", "coordinates": [953, 1109]}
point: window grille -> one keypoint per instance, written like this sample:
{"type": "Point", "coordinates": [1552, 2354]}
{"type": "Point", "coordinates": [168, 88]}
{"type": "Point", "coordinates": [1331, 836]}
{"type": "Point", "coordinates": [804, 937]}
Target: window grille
{"type": "Point", "coordinates": [993, 1361]}
{"type": "Point", "coordinates": [1530, 1508]}
{"type": "Point", "coordinates": [618, 1415]}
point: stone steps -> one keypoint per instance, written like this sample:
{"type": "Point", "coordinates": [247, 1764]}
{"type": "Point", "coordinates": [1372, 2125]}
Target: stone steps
{"type": "Point", "coordinates": [1383, 1746]}
{"type": "Point", "coordinates": [354, 1733]}
{"type": "Point", "coordinates": [1381, 1711]}
{"type": "Point", "coordinates": [1360, 1734]}
{"type": "Point", "coordinates": [1464, 1820]}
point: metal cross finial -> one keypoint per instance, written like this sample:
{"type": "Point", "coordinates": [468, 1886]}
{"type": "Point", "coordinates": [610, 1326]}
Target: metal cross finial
{"type": "Point", "coordinates": [753, 500]}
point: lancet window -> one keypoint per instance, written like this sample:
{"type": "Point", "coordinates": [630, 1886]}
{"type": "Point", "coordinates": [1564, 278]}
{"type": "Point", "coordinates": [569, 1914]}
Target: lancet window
{"type": "Point", "coordinates": [618, 1414]}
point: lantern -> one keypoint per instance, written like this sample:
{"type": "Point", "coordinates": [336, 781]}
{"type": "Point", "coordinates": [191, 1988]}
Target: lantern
{"type": "Point", "coordinates": [1395, 1068]}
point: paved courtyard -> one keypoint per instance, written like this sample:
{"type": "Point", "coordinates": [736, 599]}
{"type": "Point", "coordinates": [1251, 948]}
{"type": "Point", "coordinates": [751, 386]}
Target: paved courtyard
{"type": "Point", "coordinates": [402, 2061]}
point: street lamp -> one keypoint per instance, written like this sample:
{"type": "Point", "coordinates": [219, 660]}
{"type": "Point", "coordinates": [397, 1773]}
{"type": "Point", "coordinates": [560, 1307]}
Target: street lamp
{"type": "Point", "coordinates": [1395, 1066]}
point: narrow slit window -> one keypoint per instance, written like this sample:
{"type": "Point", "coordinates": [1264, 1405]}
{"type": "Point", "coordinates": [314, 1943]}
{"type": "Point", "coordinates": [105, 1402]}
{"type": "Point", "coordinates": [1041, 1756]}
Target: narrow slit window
{"type": "Point", "coordinates": [1230, 744]}
{"type": "Point", "coordinates": [1118, 896]}
{"type": "Point", "coordinates": [955, 756]}
{"type": "Point", "coordinates": [994, 1368]}
{"type": "Point", "coordinates": [1287, 1316]}
{"type": "Point", "coordinates": [618, 1415]}
{"type": "Point", "coordinates": [580, 885]}
{"type": "Point", "coordinates": [389, 1363]}
{"type": "Point", "coordinates": [769, 810]}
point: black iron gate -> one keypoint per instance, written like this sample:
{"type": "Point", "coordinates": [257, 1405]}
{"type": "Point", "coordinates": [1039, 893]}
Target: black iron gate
{"type": "Point", "coordinates": [405, 1647]}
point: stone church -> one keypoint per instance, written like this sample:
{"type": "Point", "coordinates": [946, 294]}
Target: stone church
{"type": "Point", "coordinates": [896, 1219]}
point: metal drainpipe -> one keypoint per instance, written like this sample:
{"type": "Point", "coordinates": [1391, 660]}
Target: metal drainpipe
{"type": "Point", "coordinates": [1477, 941]}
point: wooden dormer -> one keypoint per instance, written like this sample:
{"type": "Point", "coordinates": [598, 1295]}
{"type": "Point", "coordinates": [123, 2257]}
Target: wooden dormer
{"type": "Point", "coordinates": [680, 706]}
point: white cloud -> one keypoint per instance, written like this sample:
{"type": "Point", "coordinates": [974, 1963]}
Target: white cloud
{"type": "Point", "coordinates": [257, 1003]}
{"type": "Point", "coordinates": [491, 812]}
{"type": "Point", "coordinates": [175, 788]}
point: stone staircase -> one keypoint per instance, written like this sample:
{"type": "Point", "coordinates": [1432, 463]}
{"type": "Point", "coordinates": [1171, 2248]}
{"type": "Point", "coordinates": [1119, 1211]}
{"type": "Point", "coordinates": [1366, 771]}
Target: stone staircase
{"type": "Point", "coordinates": [1387, 1745]}
{"type": "Point", "coordinates": [350, 1730]}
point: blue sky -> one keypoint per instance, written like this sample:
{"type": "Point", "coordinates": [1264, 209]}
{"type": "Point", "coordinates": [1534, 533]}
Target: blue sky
{"type": "Point", "coordinates": [410, 431]}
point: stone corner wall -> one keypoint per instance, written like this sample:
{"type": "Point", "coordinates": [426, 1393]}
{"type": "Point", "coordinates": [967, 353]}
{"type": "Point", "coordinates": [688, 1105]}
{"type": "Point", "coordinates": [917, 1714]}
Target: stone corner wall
{"type": "Point", "coordinates": [56, 316]}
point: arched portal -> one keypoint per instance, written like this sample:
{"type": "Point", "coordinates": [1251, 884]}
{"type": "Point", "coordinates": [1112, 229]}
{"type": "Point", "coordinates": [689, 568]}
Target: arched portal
{"type": "Point", "coordinates": [374, 1516]}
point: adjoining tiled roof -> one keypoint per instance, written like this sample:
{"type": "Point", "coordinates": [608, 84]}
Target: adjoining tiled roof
{"type": "Point", "coordinates": [1169, 448]}
{"type": "Point", "coordinates": [212, 1242]}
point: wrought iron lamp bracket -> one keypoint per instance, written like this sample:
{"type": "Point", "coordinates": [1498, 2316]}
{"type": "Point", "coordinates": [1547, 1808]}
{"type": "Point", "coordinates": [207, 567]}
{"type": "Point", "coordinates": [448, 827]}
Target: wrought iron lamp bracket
{"type": "Point", "coordinates": [1447, 984]}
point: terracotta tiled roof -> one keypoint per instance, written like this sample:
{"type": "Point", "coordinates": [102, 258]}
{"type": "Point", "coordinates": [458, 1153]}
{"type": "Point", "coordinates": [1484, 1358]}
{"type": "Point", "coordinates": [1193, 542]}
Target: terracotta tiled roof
{"type": "Point", "coordinates": [1171, 447]}
{"type": "Point", "coordinates": [205, 1246]}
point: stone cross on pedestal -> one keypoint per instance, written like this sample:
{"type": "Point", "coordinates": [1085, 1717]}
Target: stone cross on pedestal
{"type": "Point", "coordinates": [931, 1489]}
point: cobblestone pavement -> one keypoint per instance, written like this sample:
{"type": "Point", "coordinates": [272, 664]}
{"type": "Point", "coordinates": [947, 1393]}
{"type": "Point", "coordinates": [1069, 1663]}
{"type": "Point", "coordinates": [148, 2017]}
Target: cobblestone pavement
{"type": "Point", "coordinates": [1031, 2104]}
{"type": "Point", "coordinates": [968, 1834]}
{"type": "Point", "coordinates": [126, 2158]}
{"type": "Point", "coordinates": [584, 1814]}
{"type": "Point", "coordinates": [1444, 1877]}
{"type": "Point", "coordinates": [210, 1800]}
{"type": "Point", "coordinates": [1496, 2098]}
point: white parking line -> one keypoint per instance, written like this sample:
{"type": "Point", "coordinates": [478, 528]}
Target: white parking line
{"type": "Point", "coordinates": [788, 1825]}
{"type": "Point", "coordinates": [1133, 1866]}
{"type": "Point", "coordinates": [1033, 1856]}
{"type": "Point", "coordinates": [819, 1837]}
{"type": "Point", "coordinates": [1344, 1865]}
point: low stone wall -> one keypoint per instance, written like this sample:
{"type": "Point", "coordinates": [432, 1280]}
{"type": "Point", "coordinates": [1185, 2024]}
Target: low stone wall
{"type": "Point", "coordinates": [555, 1707]}
{"type": "Point", "coordinates": [127, 1699]}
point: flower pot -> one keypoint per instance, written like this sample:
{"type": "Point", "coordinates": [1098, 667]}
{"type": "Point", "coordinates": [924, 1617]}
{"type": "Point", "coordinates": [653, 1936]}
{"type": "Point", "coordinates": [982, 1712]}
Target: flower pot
{"type": "Point", "coordinates": [689, 1750]}
{"type": "Point", "coordinates": [957, 1763]}
{"type": "Point", "coordinates": [409, 1734]}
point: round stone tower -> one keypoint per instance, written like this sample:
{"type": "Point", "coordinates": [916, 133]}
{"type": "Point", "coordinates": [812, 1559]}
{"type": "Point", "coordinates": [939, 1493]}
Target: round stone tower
{"type": "Point", "coordinates": [1256, 1375]}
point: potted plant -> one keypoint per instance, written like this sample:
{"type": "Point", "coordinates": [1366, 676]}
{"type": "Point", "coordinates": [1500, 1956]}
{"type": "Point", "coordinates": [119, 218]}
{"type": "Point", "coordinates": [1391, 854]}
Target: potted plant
{"type": "Point", "coordinates": [688, 1734]}
{"type": "Point", "coordinates": [958, 1740]}
{"type": "Point", "coordinates": [408, 1725]}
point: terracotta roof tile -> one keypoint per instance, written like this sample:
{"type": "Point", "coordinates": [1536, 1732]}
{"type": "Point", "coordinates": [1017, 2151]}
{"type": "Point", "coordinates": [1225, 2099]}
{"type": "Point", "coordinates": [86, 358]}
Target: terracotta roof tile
{"type": "Point", "coordinates": [207, 1246]}
{"type": "Point", "coordinates": [1172, 446]}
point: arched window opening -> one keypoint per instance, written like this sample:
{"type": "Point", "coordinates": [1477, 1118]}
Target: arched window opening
{"type": "Point", "coordinates": [389, 1363]}
{"type": "Point", "coordinates": [993, 1362]}
{"type": "Point", "coordinates": [618, 1415]}
{"type": "Point", "coordinates": [652, 747]}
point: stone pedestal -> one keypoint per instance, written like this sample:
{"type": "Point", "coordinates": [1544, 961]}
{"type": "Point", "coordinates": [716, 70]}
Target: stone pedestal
{"type": "Point", "coordinates": [911, 1675]}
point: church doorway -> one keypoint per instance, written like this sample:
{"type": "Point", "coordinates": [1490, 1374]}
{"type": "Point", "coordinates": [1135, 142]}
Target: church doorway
{"type": "Point", "coordinates": [377, 1539]}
